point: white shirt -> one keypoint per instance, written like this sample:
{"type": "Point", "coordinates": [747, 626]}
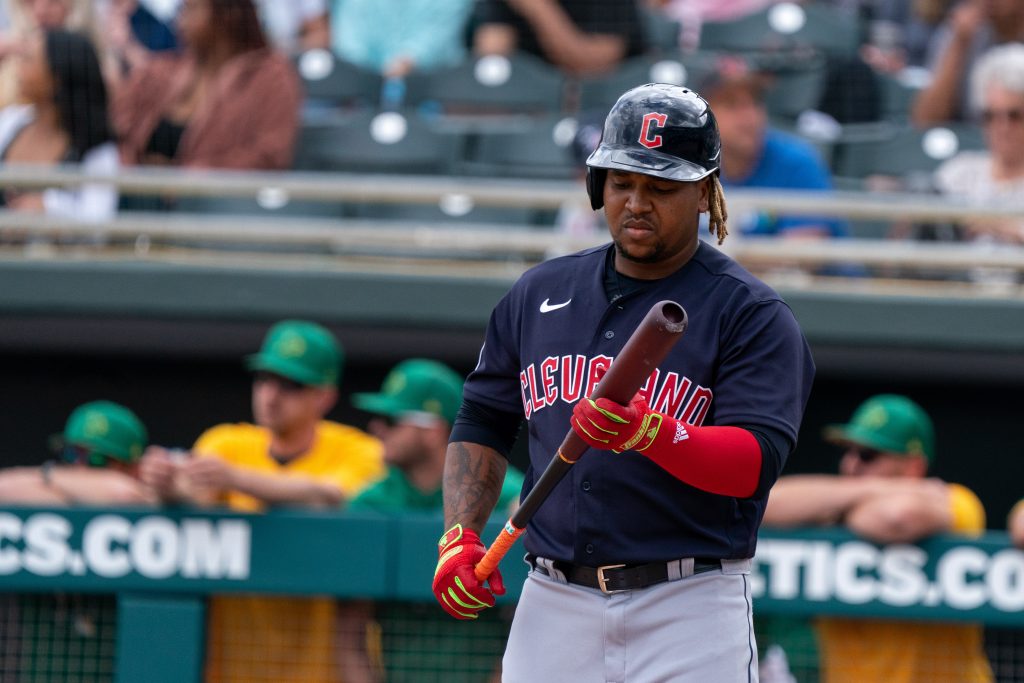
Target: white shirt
{"type": "Point", "coordinates": [969, 175]}
{"type": "Point", "coordinates": [92, 202]}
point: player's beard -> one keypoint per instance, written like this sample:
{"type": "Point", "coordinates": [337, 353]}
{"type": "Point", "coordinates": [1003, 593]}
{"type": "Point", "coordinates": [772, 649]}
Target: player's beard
{"type": "Point", "coordinates": [655, 255]}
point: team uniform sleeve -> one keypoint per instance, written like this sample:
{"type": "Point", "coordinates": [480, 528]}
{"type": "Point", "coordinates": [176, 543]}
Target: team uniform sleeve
{"type": "Point", "coordinates": [477, 423]}
{"type": "Point", "coordinates": [495, 380]}
{"type": "Point", "coordinates": [216, 442]}
{"type": "Point", "coordinates": [361, 467]}
{"type": "Point", "coordinates": [968, 512]}
{"type": "Point", "coordinates": [764, 380]}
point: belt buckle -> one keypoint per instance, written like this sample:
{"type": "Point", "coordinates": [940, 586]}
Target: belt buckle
{"type": "Point", "coordinates": [602, 581]}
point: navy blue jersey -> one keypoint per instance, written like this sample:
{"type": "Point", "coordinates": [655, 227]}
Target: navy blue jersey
{"type": "Point", "coordinates": [743, 361]}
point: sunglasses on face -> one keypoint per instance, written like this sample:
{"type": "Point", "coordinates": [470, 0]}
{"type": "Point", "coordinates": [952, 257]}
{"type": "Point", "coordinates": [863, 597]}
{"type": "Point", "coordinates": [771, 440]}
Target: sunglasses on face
{"type": "Point", "coordinates": [415, 419]}
{"type": "Point", "coordinates": [864, 453]}
{"type": "Point", "coordinates": [283, 383]}
{"type": "Point", "coordinates": [1011, 115]}
{"type": "Point", "coordinates": [82, 455]}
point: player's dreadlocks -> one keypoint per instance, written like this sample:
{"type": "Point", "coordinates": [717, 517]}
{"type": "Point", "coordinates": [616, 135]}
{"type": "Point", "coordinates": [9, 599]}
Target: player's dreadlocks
{"type": "Point", "coordinates": [717, 213]}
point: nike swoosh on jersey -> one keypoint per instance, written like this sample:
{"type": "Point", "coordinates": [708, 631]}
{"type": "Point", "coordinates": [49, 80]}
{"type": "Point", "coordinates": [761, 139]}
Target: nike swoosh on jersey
{"type": "Point", "coordinates": [545, 307]}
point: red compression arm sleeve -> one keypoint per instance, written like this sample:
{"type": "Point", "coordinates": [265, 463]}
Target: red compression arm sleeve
{"type": "Point", "coordinates": [721, 460]}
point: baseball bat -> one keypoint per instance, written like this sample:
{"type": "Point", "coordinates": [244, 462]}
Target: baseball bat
{"type": "Point", "coordinates": [644, 351]}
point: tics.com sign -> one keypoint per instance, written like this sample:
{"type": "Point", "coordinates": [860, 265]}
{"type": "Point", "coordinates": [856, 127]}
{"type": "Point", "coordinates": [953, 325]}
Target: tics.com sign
{"type": "Point", "coordinates": [941, 579]}
{"type": "Point", "coordinates": [112, 546]}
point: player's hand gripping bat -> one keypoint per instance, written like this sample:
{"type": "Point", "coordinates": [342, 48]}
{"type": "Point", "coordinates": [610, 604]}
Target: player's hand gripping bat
{"type": "Point", "coordinates": [657, 333]}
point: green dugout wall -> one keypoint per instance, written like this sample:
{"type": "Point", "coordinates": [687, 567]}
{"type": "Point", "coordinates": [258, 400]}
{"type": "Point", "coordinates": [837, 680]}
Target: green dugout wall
{"type": "Point", "coordinates": [162, 564]}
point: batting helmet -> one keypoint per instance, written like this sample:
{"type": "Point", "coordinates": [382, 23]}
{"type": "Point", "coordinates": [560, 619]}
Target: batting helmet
{"type": "Point", "coordinates": [656, 129]}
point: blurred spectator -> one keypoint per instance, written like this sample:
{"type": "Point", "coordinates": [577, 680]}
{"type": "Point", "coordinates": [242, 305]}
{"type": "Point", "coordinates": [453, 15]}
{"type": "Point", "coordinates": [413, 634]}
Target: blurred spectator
{"type": "Point", "coordinates": [580, 37]}
{"type": "Point", "coordinates": [227, 101]}
{"type": "Point", "coordinates": [997, 175]}
{"type": "Point", "coordinates": [1015, 524]}
{"type": "Point", "coordinates": [972, 28]}
{"type": "Point", "coordinates": [296, 25]}
{"type": "Point", "coordinates": [415, 410]}
{"type": "Point", "coordinates": [575, 217]}
{"type": "Point", "coordinates": [883, 494]}
{"type": "Point", "coordinates": [29, 16]}
{"type": "Point", "coordinates": [756, 156]}
{"type": "Point", "coordinates": [396, 38]}
{"type": "Point", "coordinates": [292, 456]}
{"type": "Point", "coordinates": [132, 34]}
{"type": "Point", "coordinates": [65, 120]}
{"type": "Point", "coordinates": [692, 14]}
{"type": "Point", "coordinates": [98, 463]}
{"type": "Point", "coordinates": [901, 30]}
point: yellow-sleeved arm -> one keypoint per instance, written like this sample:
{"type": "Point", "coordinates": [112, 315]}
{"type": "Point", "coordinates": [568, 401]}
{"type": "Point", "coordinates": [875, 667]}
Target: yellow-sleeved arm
{"type": "Point", "coordinates": [968, 512]}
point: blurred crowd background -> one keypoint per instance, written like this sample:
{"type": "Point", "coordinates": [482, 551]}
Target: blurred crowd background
{"type": "Point", "coordinates": [177, 176]}
{"type": "Point", "coordinates": [883, 95]}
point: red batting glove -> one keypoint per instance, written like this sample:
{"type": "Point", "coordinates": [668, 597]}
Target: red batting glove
{"type": "Point", "coordinates": [607, 425]}
{"type": "Point", "coordinates": [455, 585]}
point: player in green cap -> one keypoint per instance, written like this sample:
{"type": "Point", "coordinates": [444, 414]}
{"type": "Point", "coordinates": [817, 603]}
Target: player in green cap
{"type": "Point", "coordinates": [291, 456]}
{"type": "Point", "coordinates": [884, 494]}
{"type": "Point", "coordinates": [97, 463]}
{"type": "Point", "coordinates": [413, 415]}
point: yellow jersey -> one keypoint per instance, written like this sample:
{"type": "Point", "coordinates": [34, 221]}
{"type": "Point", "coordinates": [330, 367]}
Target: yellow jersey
{"type": "Point", "coordinates": [889, 651]}
{"type": "Point", "coordinates": [282, 639]}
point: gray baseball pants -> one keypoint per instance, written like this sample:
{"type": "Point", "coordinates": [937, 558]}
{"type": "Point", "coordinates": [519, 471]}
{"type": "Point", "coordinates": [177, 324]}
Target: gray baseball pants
{"type": "Point", "coordinates": [694, 630]}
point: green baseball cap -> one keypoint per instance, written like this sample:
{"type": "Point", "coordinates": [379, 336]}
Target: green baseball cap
{"type": "Point", "coordinates": [416, 386]}
{"type": "Point", "coordinates": [889, 423]}
{"type": "Point", "coordinates": [106, 429]}
{"type": "Point", "coordinates": [301, 351]}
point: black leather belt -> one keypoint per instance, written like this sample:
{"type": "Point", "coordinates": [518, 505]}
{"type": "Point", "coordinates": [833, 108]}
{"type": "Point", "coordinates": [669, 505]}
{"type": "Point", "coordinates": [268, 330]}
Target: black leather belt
{"type": "Point", "coordinates": [615, 578]}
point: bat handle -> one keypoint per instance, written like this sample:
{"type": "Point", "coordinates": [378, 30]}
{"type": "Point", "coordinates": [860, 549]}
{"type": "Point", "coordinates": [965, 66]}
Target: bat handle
{"type": "Point", "coordinates": [502, 544]}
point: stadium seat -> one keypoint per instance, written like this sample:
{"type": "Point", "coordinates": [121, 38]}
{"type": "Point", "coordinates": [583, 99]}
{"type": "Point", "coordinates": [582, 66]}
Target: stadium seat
{"type": "Point", "coordinates": [518, 84]}
{"type": "Point", "coordinates": [332, 82]}
{"type": "Point", "coordinates": [904, 154]}
{"type": "Point", "coordinates": [271, 202]}
{"type": "Point", "coordinates": [660, 32]}
{"type": "Point", "coordinates": [897, 98]}
{"type": "Point", "coordinates": [795, 89]}
{"type": "Point", "coordinates": [377, 142]}
{"type": "Point", "coordinates": [540, 149]}
{"type": "Point", "coordinates": [454, 210]}
{"type": "Point", "coordinates": [599, 93]}
{"type": "Point", "coordinates": [785, 27]}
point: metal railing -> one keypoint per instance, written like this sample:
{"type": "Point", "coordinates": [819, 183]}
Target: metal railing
{"type": "Point", "coordinates": [271, 192]}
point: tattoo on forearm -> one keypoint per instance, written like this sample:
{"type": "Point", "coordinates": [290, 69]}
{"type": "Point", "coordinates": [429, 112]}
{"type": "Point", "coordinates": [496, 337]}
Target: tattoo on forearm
{"type": "Point", "coordinates": [473, 476]}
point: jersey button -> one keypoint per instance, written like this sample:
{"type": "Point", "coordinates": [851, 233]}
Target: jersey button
{"type": "Point", "coordinates": [608, 334]}
{"type": "Point", "coordinates": [590, 549]}
{"type": "Point", "coordinates": [585, 486]}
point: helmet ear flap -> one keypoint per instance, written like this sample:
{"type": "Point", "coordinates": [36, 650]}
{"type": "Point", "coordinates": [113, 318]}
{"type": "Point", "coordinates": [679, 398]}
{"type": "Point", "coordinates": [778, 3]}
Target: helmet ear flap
{"type": "Point", "coordinates": [595, 186]}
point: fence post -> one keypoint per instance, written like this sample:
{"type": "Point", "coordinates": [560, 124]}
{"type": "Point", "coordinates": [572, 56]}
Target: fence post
{"type": "Point", "coordinates": [159, 638]}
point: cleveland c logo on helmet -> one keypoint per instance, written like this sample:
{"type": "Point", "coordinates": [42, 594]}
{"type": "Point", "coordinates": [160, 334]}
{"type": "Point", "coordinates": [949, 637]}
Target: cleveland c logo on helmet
{"type": "Point", "coordinates": [654, 119]}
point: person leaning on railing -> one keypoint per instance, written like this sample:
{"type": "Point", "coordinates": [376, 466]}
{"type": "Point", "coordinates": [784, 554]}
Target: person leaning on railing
{"type": "Point", "coordinates": [98, 459]}
{"type": "Point", "coordinates": [413, 417]}
{"type": "Point", "coordinates": [883, 494]}
{"type": "Point", "coordinates": [291, 457]}
{"type": "Point", "coordinates": [1015, 524]}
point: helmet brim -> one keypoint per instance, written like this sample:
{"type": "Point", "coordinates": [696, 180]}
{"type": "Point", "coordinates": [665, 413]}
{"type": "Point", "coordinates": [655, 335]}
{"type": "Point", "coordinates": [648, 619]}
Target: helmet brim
{"type": "Point", "coordinates": [651, 163]}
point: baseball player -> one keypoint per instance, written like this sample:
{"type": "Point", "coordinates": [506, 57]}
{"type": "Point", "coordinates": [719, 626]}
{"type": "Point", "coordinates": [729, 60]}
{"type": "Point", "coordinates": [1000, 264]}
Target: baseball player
{"type": "Point", "coordinates": [640, 557]}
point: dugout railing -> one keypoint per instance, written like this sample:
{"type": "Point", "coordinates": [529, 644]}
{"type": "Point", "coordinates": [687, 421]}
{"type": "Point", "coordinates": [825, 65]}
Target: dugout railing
{"type": "Point", "coordinates": [162, 564]}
